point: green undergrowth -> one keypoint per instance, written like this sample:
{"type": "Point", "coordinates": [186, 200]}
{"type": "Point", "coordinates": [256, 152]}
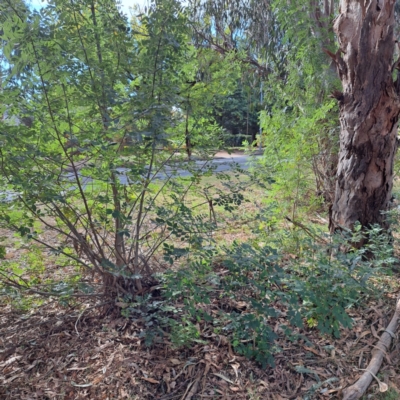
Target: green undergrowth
{"type": "Point", "coordinates": [253, 293]}
{"type": "Point", "coordinates": [276, 278]}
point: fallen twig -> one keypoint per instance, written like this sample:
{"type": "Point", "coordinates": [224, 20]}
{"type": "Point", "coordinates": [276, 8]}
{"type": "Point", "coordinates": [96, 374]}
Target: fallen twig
{"type": "Point", "coordinates": [356, 390]}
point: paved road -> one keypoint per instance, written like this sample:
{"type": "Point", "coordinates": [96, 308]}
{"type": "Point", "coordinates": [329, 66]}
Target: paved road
{"type": "Point", "coordinates": [221, 162]}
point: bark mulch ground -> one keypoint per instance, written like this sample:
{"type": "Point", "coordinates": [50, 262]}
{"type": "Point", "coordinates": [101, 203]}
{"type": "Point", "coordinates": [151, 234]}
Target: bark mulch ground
{"type": "Point", "coordinates": [64, 353]}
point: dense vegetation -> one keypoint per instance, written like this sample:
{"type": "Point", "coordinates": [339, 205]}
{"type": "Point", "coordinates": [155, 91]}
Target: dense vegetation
{"type": "Point", "coordinates": [110, 193]}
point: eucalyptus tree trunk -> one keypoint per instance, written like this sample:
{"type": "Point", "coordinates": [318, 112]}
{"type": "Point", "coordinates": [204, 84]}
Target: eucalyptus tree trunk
{"type": "Point", "coordinates": [369, 110]}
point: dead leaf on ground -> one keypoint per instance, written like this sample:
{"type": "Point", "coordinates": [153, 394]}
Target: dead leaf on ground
{"type": "Point", "coordinates": [151, 380]}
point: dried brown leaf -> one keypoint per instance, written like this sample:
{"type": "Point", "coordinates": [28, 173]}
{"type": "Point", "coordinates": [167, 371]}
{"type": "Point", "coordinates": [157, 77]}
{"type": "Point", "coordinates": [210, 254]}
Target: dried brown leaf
{"type": "Point", "coordinates": [151, 380]}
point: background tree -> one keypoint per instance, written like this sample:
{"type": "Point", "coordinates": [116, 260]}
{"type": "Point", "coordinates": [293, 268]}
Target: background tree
{"type": "Point", "coordinates": [205, 75]}
{"type": "Point", "coordinates": [238, 112]}
{"type": "Point", "coordinates": [290, 57]}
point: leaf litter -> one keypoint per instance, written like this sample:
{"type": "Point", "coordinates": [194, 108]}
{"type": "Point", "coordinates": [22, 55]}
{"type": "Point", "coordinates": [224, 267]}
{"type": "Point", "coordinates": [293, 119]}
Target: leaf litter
{"type": "Point", "coordinates": [81, 351]}
{"type": "Point", "coordinates": [60, 353]}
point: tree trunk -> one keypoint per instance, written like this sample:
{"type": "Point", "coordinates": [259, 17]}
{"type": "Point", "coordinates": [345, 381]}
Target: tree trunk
{"type": "Point", "coordinates": [369, 109]}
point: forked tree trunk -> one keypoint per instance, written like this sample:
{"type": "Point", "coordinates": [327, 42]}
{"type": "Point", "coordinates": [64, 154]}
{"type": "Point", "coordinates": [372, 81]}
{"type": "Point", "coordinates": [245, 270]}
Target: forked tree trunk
{"type": "Point", "coordinates": [369, 109]}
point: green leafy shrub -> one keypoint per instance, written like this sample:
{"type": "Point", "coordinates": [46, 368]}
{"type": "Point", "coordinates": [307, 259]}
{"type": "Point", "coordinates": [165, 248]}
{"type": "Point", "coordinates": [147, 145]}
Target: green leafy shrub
{"type": "Point", "coordinates": [184, 333]}
{"type": "Point", "coordinates": [85, 144]}
{"type": "Point", "coordinates": [316, 288]}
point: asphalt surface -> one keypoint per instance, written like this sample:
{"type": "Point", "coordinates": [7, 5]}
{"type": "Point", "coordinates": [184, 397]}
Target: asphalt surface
{"type": "Point", "coordinates": [222, 162]}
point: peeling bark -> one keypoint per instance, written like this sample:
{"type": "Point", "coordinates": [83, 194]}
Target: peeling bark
{"type": "Point", "coordinates": [369, 110]}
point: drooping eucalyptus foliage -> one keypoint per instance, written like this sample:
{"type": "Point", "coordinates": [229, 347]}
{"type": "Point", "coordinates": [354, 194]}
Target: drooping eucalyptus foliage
{"type": "Point", "coordinates": [246, 27]}
{"type": "Point", "coordinates": [284, 47]}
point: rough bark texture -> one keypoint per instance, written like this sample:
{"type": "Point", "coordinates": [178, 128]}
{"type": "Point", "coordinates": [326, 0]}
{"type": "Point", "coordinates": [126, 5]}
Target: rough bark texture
{"type": "Point", "coordinates": [369, 109]}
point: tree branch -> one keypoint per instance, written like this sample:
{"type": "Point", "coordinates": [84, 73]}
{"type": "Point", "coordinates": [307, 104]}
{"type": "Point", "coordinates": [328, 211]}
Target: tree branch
{"type": "Point", "coordinates": [356, 390]}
